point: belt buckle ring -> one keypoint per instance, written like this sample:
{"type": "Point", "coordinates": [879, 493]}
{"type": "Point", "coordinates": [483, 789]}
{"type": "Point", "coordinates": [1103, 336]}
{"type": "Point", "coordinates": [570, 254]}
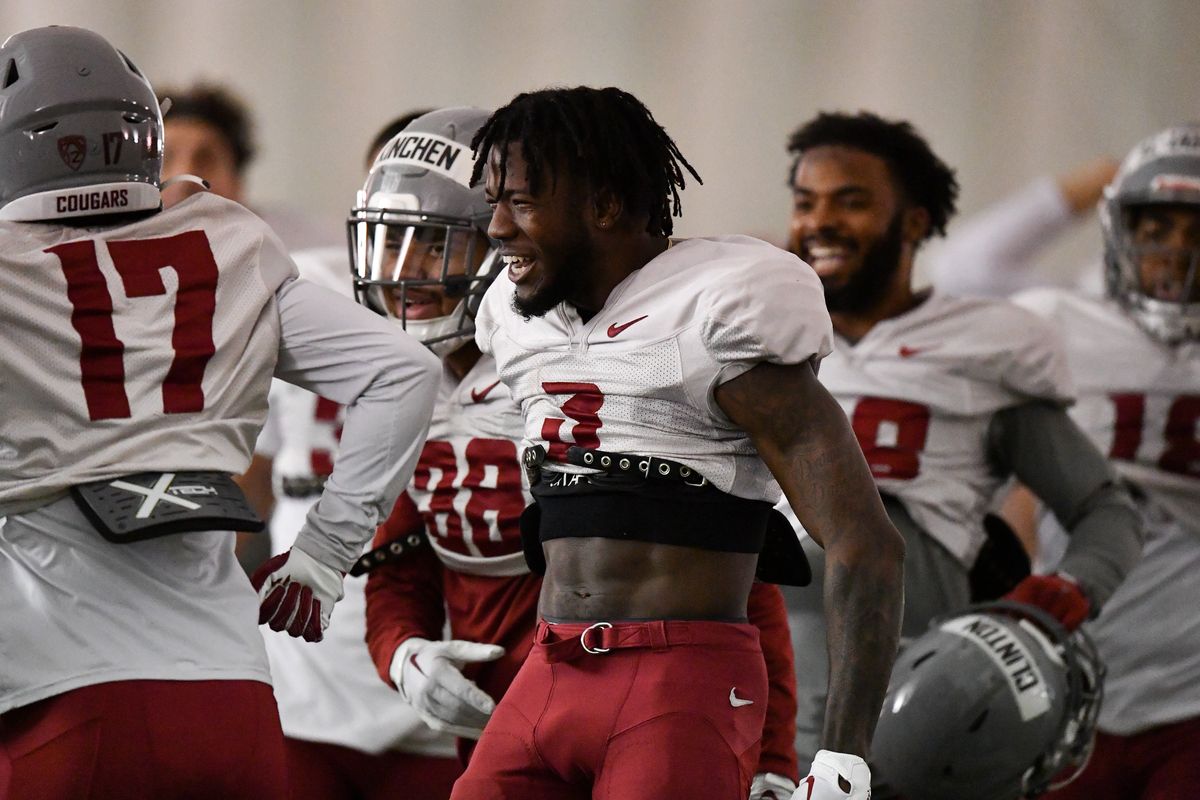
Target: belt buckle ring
{"type": "Point", "coordinates": [583, 638]}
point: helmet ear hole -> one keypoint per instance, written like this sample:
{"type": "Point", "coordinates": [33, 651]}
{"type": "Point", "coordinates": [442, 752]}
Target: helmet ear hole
{"type": "Point", "coordinates": [49, 126]}
{"type": "Point", "coordinates": [978, 721]}
{"type": "Point", "coordinates": [11, 75]}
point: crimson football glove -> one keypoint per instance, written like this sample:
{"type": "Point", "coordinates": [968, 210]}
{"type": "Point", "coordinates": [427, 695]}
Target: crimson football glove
{"type": "Point", "coordinates": [296, 594]}
{"type": "Point", "coordinates": [836, 776]}
{"type": "Point", "coordinates": [1058, 595]}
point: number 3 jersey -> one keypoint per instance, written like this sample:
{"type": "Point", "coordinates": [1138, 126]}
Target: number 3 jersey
{"type": "Point", "coordinates": [921, 389]}
{"type": "Point", "coordinates": [639, 376]}
{"type": "Point", "coordinates": [147, 346]}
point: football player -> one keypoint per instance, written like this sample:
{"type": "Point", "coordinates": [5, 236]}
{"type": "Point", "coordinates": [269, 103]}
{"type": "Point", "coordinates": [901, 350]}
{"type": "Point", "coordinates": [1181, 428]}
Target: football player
{"type": "Point", "coordinates": [139, 344]}
{"type": "Point", "coordinates": [947, 397]}
{"type": "Point", "coordinates": [468, 493]}
{"type": "Point", "coordinates": [347, 735]}
{"type": "Point", "coordinates": [1135, 356]}
{"type": "Point", "coordinates": [664, 386]}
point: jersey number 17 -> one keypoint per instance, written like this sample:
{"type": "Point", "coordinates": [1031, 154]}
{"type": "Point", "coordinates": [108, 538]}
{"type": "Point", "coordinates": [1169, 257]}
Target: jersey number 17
{"type": "Point", "coordinates": [138, 261]}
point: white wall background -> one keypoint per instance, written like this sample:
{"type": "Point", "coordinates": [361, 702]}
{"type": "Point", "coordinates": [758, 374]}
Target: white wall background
{"type": "Point", "coordinates": [1004, 89]}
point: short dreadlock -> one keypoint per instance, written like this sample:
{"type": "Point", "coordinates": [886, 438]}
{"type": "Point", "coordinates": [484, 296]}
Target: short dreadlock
{"type": "Point", "coordinates": [608, 134]}
{"type": "Point", "coordinates": [923, 179]}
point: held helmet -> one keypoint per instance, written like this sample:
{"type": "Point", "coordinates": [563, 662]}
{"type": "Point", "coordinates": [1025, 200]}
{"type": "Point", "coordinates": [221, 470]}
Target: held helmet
{"type": "Point", "coordinates": [80, 128]}
{"type": "Point", "coordinates": [1162, 170]}
{"type": "Point", "coordinates": [418, 233]}
{"type": "Point", "coordinates": [996, 703]}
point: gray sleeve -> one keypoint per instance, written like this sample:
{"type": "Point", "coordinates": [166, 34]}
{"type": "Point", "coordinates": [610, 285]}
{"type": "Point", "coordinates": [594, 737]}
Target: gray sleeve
{"type": "Point", "coordinates": [1047, 452]}
{"type": "Point", "coordinates": [388, 382]}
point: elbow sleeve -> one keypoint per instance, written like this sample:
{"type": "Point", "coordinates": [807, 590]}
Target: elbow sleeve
{"type": "Point", "coordinates": [1106, 543]}
{"type": "Point", "coordinates": [1047, 452]}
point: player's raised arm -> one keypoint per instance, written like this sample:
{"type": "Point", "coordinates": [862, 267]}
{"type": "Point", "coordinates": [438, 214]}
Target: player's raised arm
{"type": "Point", "coordinates": [804, 438]}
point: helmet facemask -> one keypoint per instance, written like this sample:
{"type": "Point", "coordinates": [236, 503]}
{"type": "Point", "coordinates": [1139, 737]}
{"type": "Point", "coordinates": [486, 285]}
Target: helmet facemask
{"type": "Point", "coordinates": [425, 271]}
{"type": "Point", "coordinates": [1151, 220]}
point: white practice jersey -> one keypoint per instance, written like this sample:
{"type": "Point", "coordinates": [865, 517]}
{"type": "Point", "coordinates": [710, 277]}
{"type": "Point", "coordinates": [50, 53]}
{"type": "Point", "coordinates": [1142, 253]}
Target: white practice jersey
{"type": "Point", "coordinates": [639, 376]}
{"type": "Point", "coordinates": [1139, 401]}
{"type": "Point", "coordinates": [150, 346]}
{"type": "Point", "coordinates": [469, 485]}
{"type": "Point", "coordinates": [920, 390]}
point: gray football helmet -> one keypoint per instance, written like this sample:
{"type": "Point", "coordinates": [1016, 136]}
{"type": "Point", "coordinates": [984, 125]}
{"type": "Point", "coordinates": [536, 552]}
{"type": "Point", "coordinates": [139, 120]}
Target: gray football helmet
{"type": "Point", "coordinates": [996, 703]}
{"type": "Point", "coordinates": [80, 128]}
{"type": "Point", "coordinates": [1162, 169]}
{"type": "Point", "coordinates": [418, 234]}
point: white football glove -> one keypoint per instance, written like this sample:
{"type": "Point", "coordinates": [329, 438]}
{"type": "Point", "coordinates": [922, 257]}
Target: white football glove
{"type": "Point", "coordinates": [296, 594]}
{"type": "Point", "coordinates": [429, 678]}
{"type": "Point", "coordinates": [771, 786]}
{"type": "Point", "coordinates": [830, 773]}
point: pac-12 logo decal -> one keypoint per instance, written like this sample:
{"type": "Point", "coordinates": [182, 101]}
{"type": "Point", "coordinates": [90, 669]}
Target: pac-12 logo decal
{"type": "Point", "coordinates": [72, 149]}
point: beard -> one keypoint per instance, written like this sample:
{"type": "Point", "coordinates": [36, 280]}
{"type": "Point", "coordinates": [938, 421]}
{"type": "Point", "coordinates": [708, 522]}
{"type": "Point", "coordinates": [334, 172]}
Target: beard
{"type": "Point", "coordinates": [563, 272]}
{"type": "Point", "coordinates": [868, 286]}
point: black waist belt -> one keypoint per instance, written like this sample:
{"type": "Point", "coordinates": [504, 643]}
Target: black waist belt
{"type": "Point", "coordinates": [386, 553]}
{"type": "Point", "coordinates": [650, 499]}
{"type": "Point", "coordinates": [650, 468]}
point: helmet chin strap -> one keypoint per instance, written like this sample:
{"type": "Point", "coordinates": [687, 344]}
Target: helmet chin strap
{"type": "Point", "coordinates": [436, 334]}
{"type": "Point", "coordinates": [185, 178]}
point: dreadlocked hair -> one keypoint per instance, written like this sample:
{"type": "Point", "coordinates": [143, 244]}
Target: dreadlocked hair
{"type": "Point", "coordinates": [923, 178]}
{"type": "Point", "coordinates": [608, 135]}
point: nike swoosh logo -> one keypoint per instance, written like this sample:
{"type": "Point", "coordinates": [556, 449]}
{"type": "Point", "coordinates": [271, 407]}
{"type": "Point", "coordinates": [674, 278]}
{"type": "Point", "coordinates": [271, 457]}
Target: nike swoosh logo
{"type": "Point", "coordinates": [478, 395]}
{"type": "Point", "coordinates": [738, 702]}
{"type": "Point", "coordinates": [617, 330]}
{"type": "Point", "coordinates": [909, 352]}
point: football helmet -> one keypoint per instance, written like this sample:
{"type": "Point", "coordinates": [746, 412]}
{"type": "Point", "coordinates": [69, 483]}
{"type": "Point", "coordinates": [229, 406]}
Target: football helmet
{"type": "Point", "coordinates": [418, 234]}
{"type": "Point", "coordinates": [80, 128]}
{"type": "Point", "coordinates": [1155, 281]}
{"type": "Point", "coordinates": [994, 703]}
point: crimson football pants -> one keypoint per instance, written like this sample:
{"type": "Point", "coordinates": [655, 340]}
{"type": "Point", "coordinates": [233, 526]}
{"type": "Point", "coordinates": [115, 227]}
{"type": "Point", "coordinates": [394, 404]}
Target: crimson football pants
{"type": "Point", "coordinates": [1162, 763]}
{"type": "Point", "coordinates": [322, 771]}
{"type": "Point", "coordinates": [631, 711]}
{"type": "Point", "coordinates": [146, 740]}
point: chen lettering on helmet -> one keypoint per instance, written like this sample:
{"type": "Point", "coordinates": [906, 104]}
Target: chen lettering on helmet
{"type": "Point", "coordinates": [418, 234]}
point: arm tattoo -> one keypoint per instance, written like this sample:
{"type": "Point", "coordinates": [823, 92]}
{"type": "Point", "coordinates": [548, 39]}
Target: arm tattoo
{"type": "Point", "coordinates": [804, 437]}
